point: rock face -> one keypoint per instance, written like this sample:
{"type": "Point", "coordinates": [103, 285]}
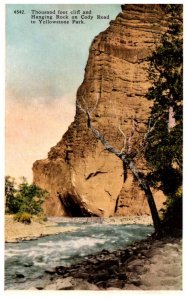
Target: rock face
{"type": "Point", "coordinates": [81, 177]}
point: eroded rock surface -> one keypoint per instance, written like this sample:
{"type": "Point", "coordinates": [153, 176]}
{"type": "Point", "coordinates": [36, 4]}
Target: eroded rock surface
{"type": "Point", "coordinates": [81, 177]}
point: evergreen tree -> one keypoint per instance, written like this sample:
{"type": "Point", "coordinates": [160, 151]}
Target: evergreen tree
{"type": "Point", "coordinates": [164, 150]}
{"type": "Point", "coordinates": [23, 198]}
{"type": "Point", "coordinates": [10, 191]}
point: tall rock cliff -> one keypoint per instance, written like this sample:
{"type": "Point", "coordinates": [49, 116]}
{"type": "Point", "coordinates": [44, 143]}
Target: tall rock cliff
{"type": "Point", "coordinates": [81, 177]}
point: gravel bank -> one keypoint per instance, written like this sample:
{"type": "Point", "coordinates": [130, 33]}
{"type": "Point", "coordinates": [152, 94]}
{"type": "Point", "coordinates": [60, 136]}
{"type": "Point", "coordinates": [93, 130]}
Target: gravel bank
{"type": "Point", "coordinates": [144, 220]}
{"type": "Point", "coordinates": [17, 232]}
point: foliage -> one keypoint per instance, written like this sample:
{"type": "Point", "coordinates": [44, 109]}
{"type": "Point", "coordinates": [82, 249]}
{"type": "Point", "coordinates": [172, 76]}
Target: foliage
{"type": "Point", "coordinates": [164, 150]}
{"type": "Point", "coordinates": [10, 191]}
{"type": "Point", "coordinates": [23, 217]}
{"type": "Point", "coordinates": [24, 197]}
{"type": "Point", "coordinates": [172, 214]}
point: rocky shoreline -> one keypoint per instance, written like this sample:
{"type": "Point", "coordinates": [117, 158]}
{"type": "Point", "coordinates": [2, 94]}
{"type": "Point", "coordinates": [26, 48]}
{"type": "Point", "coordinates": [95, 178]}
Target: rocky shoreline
{"type": "Point", "coordinates": [145, 265]}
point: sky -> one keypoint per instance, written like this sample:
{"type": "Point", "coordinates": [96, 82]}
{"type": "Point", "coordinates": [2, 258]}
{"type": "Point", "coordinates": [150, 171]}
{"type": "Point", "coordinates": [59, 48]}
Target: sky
{"type": "Point", "coordinates": [44, 68]}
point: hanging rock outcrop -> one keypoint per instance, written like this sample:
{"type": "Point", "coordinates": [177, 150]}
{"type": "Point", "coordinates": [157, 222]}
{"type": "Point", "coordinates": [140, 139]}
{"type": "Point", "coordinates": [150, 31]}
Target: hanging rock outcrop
{"type": "Point", "coordinates": [82, 178]}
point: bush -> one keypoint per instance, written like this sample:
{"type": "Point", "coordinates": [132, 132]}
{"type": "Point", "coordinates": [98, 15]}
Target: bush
{"type": "Point", "coordinates": [45, 219]}
{"type": "Point", "coordinates": [24, 197]}
{"type": "Point", "coordinates": [40, 218]}
{"type": "Point", "coordinates": [172, 214]}
{"type": "Point", "coordinates": [10, 191]}
{"type": "Point", "coordinates": [23, 217]}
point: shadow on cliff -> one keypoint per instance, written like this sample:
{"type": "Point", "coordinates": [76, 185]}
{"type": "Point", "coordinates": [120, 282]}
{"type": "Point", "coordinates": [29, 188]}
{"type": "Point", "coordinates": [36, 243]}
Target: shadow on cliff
{"type": "Point", "coordinates": [72, 208]}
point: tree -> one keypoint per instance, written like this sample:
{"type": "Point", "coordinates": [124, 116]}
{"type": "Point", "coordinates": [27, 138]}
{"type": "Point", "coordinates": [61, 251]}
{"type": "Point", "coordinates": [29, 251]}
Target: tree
{"type": "Point", "coordinates": [10, 191]}
{"type": "Point", "coordinates": [162, 143]}
{"type": "Point", "coordinates": [164, 148]}
{"type": "Point", "coordinates": [24, 198]}
{"type": "Point", "coordinates": [127, 156]}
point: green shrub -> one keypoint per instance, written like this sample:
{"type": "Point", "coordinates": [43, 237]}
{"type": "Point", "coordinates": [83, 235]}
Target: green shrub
{"type": "Point", "coordinates": [44, 218]}
{"type": "Point", "coordinates": [23, 217]}
{"type": "Point", "coordinates": [172, 214]}
{"type": "Point", "coordinates": [24, 197]}
{"type": "Point", "coordinates": [40, 218]}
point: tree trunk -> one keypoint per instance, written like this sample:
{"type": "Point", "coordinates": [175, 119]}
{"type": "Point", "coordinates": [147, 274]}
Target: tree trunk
{"type": "Point", "coordinates": [128, 162]}
{"type": "Point", "coordinates": [145, 187]}
{"type": "Point", "coordinates": [153, 209]}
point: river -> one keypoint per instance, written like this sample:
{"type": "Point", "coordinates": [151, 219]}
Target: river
{"type": "Point", "coordinates": [26, 262]}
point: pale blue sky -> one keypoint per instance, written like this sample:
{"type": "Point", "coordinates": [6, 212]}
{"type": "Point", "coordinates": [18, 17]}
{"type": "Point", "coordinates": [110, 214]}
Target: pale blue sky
{"type": "Point", "coordinates": [48, 61]}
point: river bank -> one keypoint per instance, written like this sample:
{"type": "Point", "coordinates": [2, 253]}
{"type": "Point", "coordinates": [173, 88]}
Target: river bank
{"type": "Point", "coordinates": [17, 232]}
{"type": "Point", "coordinates": [145, 265]}
{"type": "Point", "coordinates": [95, 256]}
{"type": "Point", "coordinates": [26, 261]}
{"type": "Point", "coordinates": [143, 220]}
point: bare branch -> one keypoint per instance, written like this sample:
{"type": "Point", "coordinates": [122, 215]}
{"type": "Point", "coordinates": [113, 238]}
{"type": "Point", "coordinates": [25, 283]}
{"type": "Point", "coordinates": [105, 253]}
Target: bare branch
{"type": "Point", "coordinates": [127, 162]}
{"type": "Point", "coordinates": [106, 145]}
{"type": "Point", "coordinates": [126, 150]}
{"type": "Point", "coordinates": [125, 139]}
{"type": "Point", "coordinates": [143, 142]}
{"type": "Point", "coordinates": [80, 107]}
{"type": "Point", "coordinates": [89, 124]}
{"type": "Point", "coordinates": [129, 145]}
{"type": "Point", "coordinates": [86, 111]}
{"type": "Point", "coordinates": [150, 129]}
{"type": "Point", "coordinates": [83, 100]}
{"type": "Point", "coordinates": [96, 133]}
{"type": "Point", "coordinates": [97, 99]}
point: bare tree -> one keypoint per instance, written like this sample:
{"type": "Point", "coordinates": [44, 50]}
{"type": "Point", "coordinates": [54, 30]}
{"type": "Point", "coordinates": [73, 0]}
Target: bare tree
{"type": "Point", "coordinates": [127, 156]}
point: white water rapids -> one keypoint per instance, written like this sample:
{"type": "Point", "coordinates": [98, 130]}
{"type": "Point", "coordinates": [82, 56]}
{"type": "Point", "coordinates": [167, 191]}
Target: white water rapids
{"type": "Point", "coordinates": [26, 261]}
